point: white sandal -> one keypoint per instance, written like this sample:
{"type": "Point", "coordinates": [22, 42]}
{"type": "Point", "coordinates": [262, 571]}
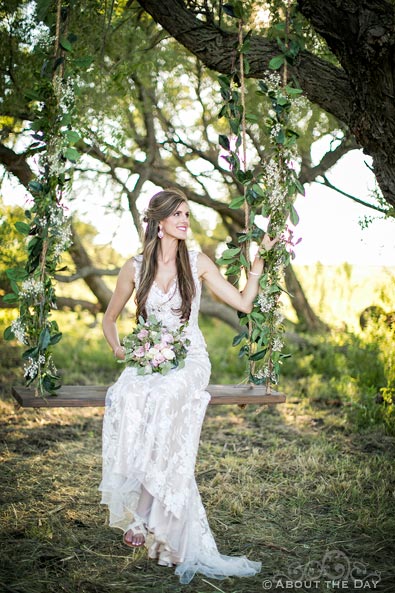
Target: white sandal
{"type": "Point", "coordinates": [138, 528]}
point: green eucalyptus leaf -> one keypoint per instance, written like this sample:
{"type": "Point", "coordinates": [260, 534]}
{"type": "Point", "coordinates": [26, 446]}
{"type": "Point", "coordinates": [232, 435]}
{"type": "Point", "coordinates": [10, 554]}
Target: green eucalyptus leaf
{"type": "Point", "coordinates": [276, 62]}
{"type": "Point", "coordinates": [14, 287]}
{"type": "Point", "coordinates": [35, 187]}
{"type": "Point", "coordinates": [72, 154]}
{"type": "Point", "coordinates": [55, 338]}
{"type": "Point", "coordinates": [83, 62]}
{"type": "Point", "coordinates": [237, 203]}
{"type": "Point", "coordinates": [44, 339]}
{"type": "Point", "coordinates": [258, 355]}
{"type": "Point", "coordinates": [22, 227]}
{"type": "Point", "coordinates": [72, 136]}
{"type": "Point", "coordinates": [65, 43]}
{"type": "Point", "coordinates": [8, 334]}
{"type": "Point", "coordinates": [293, 91]}
{"type": "Point", "coordinates": [240, 337]}
{"type": "Point", "coordinates": [258, 190]}
{"type": "Point", "coordinates": [31, 353]}
{"type": "Point", "coordinates": [16, 274]}
{"type": "Point", "coordinates": [231, 253]}
{"type": "Point", "coordinates": [224, 141]}
{"type": "Point", "coordinates": [293, 215]}
{"type": "Point", "coordinates": [11, 297]}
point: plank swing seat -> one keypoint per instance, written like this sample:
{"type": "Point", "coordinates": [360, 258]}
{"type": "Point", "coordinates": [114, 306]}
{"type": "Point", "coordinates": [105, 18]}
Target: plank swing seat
{"type": "Point", "coordinates": [84, 396]}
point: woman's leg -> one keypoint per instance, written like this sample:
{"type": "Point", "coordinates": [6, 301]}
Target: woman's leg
{"type": "Point", "coordinates": [142, 512]}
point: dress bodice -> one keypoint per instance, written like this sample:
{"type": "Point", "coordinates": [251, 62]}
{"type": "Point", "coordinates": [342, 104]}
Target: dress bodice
{"type": "Point", "coordinates": [164, 305]}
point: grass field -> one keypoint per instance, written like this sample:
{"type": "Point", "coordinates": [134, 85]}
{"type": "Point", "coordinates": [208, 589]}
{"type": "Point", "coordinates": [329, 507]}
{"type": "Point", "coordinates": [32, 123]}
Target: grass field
{"type": "Point", "coordinates": [306, 487]}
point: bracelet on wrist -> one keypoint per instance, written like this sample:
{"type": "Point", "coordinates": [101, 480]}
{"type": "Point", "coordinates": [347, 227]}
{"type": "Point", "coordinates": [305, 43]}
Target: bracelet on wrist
{"type": "Point", "coordinates": [254, 273]}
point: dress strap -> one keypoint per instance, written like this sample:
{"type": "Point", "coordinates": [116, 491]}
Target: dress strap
{"type": "Point", "coordinates": [193, 255]}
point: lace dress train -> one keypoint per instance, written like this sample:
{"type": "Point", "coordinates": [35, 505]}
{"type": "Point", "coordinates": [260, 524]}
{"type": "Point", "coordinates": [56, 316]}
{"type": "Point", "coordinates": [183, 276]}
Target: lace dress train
{"type": "Point", "coordinates": [151, 432]}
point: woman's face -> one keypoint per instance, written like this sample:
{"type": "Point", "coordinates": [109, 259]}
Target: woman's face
{"type": "Point", "coordinates": [177, 224]}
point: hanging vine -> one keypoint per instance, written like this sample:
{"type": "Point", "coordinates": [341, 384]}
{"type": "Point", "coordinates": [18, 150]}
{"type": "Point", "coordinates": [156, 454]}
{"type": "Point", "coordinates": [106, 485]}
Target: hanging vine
{"type": "Point", "coordinates": [46, 228]}
{"type": "Point", "coordinates": [270, 193]}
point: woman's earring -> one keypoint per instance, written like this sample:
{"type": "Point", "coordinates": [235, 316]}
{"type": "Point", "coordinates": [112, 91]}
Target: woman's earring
{"type": "Point", "coordinates": [160, 233]}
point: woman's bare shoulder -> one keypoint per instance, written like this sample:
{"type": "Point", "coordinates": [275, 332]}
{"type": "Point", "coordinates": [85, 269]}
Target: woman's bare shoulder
{"type": "Point", "coordinates": [204, 263]}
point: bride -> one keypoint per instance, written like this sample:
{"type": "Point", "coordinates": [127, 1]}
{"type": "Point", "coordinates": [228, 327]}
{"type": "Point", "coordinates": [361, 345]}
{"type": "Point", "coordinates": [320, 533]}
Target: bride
{"type": "Point", "coordinates": [152, 423]}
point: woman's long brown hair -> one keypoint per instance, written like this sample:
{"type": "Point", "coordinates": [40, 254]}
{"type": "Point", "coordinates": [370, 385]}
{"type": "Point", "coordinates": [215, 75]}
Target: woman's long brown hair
{"type": "Point", "coordinates": [162, 205]}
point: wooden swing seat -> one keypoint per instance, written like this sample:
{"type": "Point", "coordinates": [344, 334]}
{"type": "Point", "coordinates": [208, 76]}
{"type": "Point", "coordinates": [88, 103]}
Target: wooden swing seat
{"type": "Point", "coordinates": [74, 396]}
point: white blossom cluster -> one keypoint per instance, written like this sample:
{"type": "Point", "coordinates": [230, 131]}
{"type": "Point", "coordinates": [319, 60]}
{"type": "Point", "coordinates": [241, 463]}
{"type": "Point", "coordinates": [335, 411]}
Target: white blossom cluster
{"type": "Point", "coordinates": [64, 91]}
{"type": "Point", "coordinates": [265, 373]}
{"type": "Point", "coordinates": [272, 80]}
{"type": "Point", "coordinates": [31, 288]}
{"type": "Point", "coordinates": [266, 302]}
{"type": "Point", "coordinates": [32, 367]}
{"type": "Point", "coordinates": [53, 160]}
{"type": "Point", "coordinates": [277, 345]}
{"type": "Point", "coordinates": [18, 330]}
{"type": "Point", "coordinates": [60, 230]}
{"type": "Point", "coordinates": [274, 183]}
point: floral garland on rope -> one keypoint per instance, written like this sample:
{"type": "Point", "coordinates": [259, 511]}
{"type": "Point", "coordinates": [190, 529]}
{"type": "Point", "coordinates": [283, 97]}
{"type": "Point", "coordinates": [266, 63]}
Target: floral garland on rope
{"type": "Point", "coordinates": [270, 194]}
{"type": "Point", "coordinates": [47, 228]}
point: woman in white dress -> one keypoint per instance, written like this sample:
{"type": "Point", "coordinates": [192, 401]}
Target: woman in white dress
{"type": "Point", "coordinates": [152, 423]}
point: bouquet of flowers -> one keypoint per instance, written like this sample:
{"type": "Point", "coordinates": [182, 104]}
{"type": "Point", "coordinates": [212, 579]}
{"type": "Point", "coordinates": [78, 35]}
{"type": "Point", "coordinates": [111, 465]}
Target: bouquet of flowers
{"type": "Point", "coordinates": [153, 348]}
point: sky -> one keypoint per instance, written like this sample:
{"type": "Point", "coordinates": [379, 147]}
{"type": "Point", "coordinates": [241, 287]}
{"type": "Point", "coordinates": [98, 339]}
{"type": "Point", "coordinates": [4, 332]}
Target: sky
{"type": "Point", "coordinates": [329, 222]}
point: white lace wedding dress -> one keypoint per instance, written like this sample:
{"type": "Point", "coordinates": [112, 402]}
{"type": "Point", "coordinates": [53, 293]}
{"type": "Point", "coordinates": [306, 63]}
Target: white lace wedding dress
{"type": "Point", "coordinates": [151, 432]}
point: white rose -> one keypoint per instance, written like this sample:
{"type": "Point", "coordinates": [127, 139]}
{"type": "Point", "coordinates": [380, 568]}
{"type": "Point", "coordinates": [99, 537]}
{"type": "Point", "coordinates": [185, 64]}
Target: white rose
{"type": "Point", "coordinates": [168, 353]}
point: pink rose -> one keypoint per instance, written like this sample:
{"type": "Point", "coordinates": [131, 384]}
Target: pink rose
{"type": "Point", "coordinates": [143, 333]}
{"type": "Point", "coordinates": [139, 352]}
{"type": "Point", "coordinates": [168, 338]}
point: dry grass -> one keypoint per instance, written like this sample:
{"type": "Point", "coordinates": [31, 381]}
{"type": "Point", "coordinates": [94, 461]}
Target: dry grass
{"type": "Point", "coordinates": [282, 487]}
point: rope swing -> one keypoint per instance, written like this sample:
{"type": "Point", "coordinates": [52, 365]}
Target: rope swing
{"type": "Point", "coordinates": [268, 190]}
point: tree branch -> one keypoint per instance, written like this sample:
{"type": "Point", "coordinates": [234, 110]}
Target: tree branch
{"type": "Point", "coordinates": [322, 82]}
{"type": "Point", "coordinates": [16, 164]}
{"type": "Point", "coordinates": [327, 183]}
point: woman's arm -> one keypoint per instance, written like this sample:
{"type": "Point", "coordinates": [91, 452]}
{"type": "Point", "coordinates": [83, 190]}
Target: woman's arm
{"type": "Point", "coordinates": [122, 293]}
{"type": "Point", "coordinates": [224, 290]}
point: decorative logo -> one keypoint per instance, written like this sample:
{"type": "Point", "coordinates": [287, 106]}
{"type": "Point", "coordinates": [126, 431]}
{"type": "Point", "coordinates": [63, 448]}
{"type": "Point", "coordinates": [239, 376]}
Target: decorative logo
{"type": "Point", "coordinates": [335, 570]}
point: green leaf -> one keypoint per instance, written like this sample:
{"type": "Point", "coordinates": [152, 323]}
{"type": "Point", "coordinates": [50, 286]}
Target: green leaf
{"type": "Point", "coordinates": [16, 274]}
{"type": "Point", "coordinates": [237, 203]}
{"type": "Point", "coordinates": [251, 117]}
{"type": "Point", "coordinates": [30, 353]}
{"type": "Point", "coordinates": [243, 261]}
{"type": "Point", "coordinates": [235, 10]}
{"type": "Point", "coordinates": [224, 141]}
{"type": "Point", "coordinates": [14, 287]}
{"type": "Point", "coordinates": [10, 298]}
{"type": "Point", "coordinates": [293, 91]}
{"type": "Point", "coordinates": [22, 227]}
{"type": "Point", "coordinates": [83, 62]}
{"type": "Point", "coordinates": [299, 186]}
{"type": "Point", "coordinates": [240, 337]}
{"type": "Point", "coordinates": [8, 334]}
{"type": "Point", "coordinates": [258, 190]}
{"type": "Point", "coordinates": [72, 136]}
{"type": "Point", "coordinates": [258, 355]}
{"type": "Point", "coordinates": [35, 186]}
{"type": "Point", "coordinates": [246, 66]}
{"type": "Point", "coordinates": [44, 339]}
{"type": "Point", "coordinates": [72, 154]}
{"type": "Point", "coordinates": [293, 215]}
{"type": "Point", "coordinates": [55, 338]}
{"type": "Point", "coordinates": [65, 43]}
{"type": "Point", "coordinates": [230, 253]}
{"type": "Point", "coordinates": [276, 62]}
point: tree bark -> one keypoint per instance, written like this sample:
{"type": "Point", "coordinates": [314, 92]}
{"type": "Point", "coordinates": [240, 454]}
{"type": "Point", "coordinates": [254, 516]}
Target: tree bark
{"type": "Point", "coordinates": [360, 93]}
{"type": "Point", "coordinates": [81, 259]}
